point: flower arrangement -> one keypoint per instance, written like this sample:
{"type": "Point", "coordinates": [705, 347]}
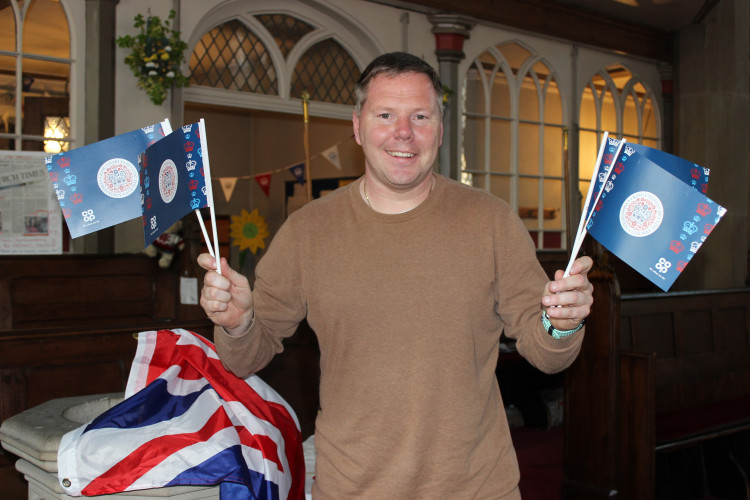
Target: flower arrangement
{"type": "Point", "coordinates": [156, 55]}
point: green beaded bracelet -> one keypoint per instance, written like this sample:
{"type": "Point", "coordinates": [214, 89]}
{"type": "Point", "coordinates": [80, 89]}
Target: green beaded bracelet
{"type": "Point", "coordinates": [554, 332]}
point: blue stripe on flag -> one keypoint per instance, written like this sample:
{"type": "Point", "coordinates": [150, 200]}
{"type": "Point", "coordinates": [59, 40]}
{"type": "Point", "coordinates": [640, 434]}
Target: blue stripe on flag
{"type": "Point", "coordinates": [151, 405]}
{"type": "Point", "coordinates": [224, 467]}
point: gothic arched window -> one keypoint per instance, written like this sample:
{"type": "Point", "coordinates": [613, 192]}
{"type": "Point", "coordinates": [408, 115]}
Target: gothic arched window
{"type": "Point", "coordinates": [513, 142]}
{"type": "Point", "coordinates": [256, 59]}
{"type": "Point", "coordinates": [616, 102]}
{"type": "Point", "coordinates": [34, 76]}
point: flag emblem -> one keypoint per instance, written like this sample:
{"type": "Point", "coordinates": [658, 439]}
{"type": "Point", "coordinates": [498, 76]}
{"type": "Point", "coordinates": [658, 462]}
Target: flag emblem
{"type": "Point", "coordinates": [117, 178]}
{"type": "Point", "coordinates": [641, 214]}
{"type": "Point", "coordinates": [168, 180]}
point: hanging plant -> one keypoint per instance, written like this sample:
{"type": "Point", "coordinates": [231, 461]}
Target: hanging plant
{"type": "Point", "coordinates": [155, 57]}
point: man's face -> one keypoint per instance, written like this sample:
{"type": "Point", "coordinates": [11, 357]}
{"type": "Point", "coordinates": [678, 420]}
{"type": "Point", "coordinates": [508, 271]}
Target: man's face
{"type": "Point", "coordinates": [399, 129]}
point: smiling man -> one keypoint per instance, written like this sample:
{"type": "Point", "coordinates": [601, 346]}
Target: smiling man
{"type": "Point", "coordinates": [408, 280]}
{"type": "Point", "coordinates": [398, 123]}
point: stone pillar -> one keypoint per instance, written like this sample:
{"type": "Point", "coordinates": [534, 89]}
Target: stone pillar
{"type": "Point", "coordinates": [713, 129]}
{"type": "Point", "coordinates": [99, 109]}
{"type": "Point", "coordinates": [450, 32]}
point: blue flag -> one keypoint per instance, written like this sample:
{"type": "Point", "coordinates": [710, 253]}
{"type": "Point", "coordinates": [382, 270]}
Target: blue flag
{"type": "Point", "coordinates": [97, 185]}
{"type": "Point", "coordinates": [650, 219]}
{"type": "Point", "coordinates": [173, 180]}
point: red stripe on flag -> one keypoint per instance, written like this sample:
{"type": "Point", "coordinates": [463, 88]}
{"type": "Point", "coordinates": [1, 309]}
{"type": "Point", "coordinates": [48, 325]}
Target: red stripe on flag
{"type": "Point", "coordinates": [147, 456]}
{"type": "Point", "coordinates": [230, 388]}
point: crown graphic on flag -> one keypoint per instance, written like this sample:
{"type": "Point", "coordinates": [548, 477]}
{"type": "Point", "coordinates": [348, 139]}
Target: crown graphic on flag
{"type": "Point", "coordinates": [63, 162]}
{"type": "Point", "coordinates": [189, 145]}
{"type": "Point", "coordinates": [689, 227]}
{"type": "Point", "coordinates": [703, 209]}
{"type": "Point", "coordinates": [76, 198]}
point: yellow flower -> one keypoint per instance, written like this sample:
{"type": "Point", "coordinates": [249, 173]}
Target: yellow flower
{"type": "Point", "coordinates": [249, 231]}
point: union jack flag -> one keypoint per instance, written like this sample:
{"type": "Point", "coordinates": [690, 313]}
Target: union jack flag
{"type": "Point", "coordinates": [185, 420]}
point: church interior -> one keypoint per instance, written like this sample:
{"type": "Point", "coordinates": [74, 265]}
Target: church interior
{"type": "Point", "coordinates": [657, 405]}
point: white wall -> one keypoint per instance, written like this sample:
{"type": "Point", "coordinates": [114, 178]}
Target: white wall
{"type": "Point", "coordinates": [365, 29]}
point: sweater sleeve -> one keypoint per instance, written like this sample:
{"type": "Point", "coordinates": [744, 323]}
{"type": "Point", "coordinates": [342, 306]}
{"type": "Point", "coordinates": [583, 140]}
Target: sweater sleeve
{"type": "Point", "coordinates": [519, 286]}
{"type": "Point", "coordinates": [279, 308]}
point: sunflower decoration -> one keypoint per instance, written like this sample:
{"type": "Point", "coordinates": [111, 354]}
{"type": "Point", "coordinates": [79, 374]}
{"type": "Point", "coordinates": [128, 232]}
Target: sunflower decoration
{"type": "Point", "coordinates": [248, 232]}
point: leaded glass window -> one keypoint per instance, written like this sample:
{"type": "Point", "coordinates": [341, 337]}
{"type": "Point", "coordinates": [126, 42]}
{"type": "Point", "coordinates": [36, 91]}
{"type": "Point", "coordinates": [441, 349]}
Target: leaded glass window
{"type": "Point", "coordinates": [229, 56]}
{"type": "Point", "coordinates": [232, 56]}
{"type": "Point", "coordinates": [286, 30]}
{"type": "Point", "coordinates": [327, 72]}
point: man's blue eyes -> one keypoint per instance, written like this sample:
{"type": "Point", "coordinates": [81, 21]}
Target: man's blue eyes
{"type": "Point", "coordinates": [388, 115]}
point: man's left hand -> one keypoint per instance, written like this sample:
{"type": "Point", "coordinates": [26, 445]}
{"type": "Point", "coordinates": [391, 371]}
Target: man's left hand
{"type": "Point", "coordinates": [568, 300]}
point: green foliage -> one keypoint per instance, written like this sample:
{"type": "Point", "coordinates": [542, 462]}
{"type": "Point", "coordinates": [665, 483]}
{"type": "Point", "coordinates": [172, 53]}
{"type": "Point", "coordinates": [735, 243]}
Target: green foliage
{"type": "Point", "coordinates": [155, 57]}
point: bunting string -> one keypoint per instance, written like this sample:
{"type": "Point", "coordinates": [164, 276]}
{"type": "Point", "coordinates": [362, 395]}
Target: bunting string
{"type": "Point", "coordinates": [297, 169]}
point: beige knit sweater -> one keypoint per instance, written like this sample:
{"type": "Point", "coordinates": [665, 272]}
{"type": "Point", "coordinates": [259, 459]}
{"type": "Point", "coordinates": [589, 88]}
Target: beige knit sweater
{"type": "Point", "coordinates": [408, 310]}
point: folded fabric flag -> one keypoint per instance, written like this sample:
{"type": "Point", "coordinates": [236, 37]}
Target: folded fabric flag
{"type": "Point", "coordinates": [173, 180]}
{"type": "Point", "coordinates": [650, 219]}
{"type": "Point", "coordinates": [97, 184]}
{"type": "Point", "coordinates": [187, 421]}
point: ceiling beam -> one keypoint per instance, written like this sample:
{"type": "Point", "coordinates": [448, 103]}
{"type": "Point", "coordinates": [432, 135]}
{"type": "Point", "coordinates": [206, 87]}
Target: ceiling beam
{"type": "Point", "coordinates": [554, 19]}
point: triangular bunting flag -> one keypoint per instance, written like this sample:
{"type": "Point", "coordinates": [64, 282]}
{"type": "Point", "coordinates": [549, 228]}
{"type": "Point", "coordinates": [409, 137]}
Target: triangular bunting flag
{"type": "Point", "coordinates": [227, 186]}
{"type": "Point", "coordinates": [264, 181]}
{"type": "Point", "coordinates": [332, 154]}
{"type": "Point", "coordinates": [299, 172]}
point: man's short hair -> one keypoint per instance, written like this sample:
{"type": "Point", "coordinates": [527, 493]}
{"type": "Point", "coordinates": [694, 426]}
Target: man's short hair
{"type": "Point", "coordinates": [393, 64]}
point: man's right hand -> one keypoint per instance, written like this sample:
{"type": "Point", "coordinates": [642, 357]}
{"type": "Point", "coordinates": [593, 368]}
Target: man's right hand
{"type": "Point", "coordinates": [226, 298]}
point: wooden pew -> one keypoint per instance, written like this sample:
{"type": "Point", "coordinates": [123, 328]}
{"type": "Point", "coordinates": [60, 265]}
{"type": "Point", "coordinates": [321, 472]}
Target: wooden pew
{"type": "Point", "coordinates": [67, 326]}
{"type": "Point", "coordinates": [698, 371]}
{"type": "Point", "coordinates": [67, 323]}
{"type": "Point", "coordinates": [658, 373]}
